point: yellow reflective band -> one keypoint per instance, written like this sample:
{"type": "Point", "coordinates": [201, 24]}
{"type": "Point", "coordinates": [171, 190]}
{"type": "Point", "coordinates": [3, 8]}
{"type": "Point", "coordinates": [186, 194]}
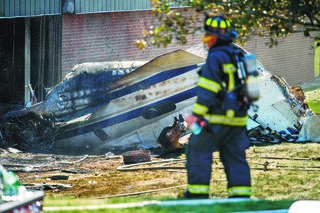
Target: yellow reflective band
{"type": "Point", "coordinates": [214, 23]}
{"type": "Point", "coordinates": [208, 22]}
{"type": "Point", "coordinates": [230, 113]}
{"type": "Point", "coordinates": [240, 190]}
{"type": "Point", "coordinates": [230, 70]}
{"type": "Point", "coordinates": [228, 23]}
{"type": "Point", "coordinates": [209, 84]}
{"type": "Point", "coordinates": [200, 109]}
{"type": "Point", "coordinates": [223, 24]}
{"type": "Point", "coordinates": [223, 119]}
{"type": "Point", "coordinates": [198, 189]}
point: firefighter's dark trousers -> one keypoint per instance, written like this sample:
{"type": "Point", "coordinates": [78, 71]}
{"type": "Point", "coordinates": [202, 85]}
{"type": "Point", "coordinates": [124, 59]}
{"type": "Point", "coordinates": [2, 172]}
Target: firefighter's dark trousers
{"type": "Point", "coordinates": [231, 142]}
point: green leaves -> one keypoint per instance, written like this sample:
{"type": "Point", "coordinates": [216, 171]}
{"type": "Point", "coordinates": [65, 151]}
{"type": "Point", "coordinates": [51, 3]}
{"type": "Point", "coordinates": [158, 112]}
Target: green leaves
{"type": "Point", "coordinates": [273, 18]}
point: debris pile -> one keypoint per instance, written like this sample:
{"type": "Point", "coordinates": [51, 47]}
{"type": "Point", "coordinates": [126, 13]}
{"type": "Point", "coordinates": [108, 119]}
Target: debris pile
{"type": "Point", "coordinates": [104, 106]}
{"type": "Point", "coordinates": [29, 131]}
{"type": "Point", "coordinates": [295, 97]}
{"type": "Point", "coordinates": [287, 104]}
{"type": "Point", "coordinates": [81, 92]}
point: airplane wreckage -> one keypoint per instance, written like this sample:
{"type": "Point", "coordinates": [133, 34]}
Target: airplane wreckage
{"type": "Point", "coordinates": [108, 106]}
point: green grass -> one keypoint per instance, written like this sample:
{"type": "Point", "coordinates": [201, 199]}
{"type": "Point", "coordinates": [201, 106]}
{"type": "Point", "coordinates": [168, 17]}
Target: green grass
{"type": "Point", "coordinates": [217, 208]}
{"type": "Point", "coordinates": [315, 106]}
{"type": "Point", "coordinates": [313, 98]}
{"type": "Point", "coordinates": [70, 201]}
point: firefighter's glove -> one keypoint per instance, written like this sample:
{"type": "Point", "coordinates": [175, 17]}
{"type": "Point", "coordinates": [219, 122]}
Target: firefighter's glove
{"type": "Point", "coordinates": [231, 102]}
{"type": "Point", "coordinates": [190, 119]}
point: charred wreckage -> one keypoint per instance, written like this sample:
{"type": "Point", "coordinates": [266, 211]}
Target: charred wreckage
{"type": "Point", "coordinates": [101, 107]}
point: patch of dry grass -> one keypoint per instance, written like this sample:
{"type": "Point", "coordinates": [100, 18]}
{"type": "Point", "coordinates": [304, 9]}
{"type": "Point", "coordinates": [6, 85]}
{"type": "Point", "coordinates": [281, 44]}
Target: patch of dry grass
{"type": "Point", "coordinates": [289, 175]}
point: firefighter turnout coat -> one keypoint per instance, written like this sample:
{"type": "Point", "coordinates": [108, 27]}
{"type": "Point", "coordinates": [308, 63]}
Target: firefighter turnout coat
{"type": "Point", "coordinates": [219, 103]}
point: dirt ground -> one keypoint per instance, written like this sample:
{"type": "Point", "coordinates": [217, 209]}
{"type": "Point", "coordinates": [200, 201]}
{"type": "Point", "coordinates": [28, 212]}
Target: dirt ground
{"type": "Point", "coordinates": [97, 176]}
{"type": "Point", "coordinates": [107, 176]}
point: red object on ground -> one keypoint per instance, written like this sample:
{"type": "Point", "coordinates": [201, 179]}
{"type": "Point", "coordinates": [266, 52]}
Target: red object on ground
{"type": "Point", "coordinates": [136, 156]}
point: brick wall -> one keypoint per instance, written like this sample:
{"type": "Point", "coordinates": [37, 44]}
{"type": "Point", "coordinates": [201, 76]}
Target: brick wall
{"type": "Point", "coordinates": [110, 36]}
{"type": "Point", "coordinates": [292, 58]}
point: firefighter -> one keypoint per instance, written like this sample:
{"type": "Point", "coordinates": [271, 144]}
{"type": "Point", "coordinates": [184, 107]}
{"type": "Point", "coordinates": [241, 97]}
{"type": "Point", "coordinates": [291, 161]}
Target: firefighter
{"type": "Point", "coordinates": [221, 107]}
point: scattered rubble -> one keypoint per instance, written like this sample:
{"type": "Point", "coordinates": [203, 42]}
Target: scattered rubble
{"type": "Point", "coordinates": [27, 132]}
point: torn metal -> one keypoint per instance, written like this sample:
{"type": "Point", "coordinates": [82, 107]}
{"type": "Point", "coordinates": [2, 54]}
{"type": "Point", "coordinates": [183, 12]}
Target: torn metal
{"type": "Point", "coordinates": [280, 112]}
{"type": "Point", "coordinates": [101, 107]}
{"type": "Point", "coordinates": [97, 109]}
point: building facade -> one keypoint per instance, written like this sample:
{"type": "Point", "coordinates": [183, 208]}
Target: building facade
{"type": "Point", "coordinates": [109, 36]}
{"type": "Point", "coordinates": [42, 40]}
{"type": "Point", "coordinates": [293, 58]}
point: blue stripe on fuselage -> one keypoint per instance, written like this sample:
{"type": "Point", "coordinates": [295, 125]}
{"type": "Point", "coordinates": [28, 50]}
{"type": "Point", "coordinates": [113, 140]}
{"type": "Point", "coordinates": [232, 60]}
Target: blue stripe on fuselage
{"type": "Point", "coordinates": [126, 116]}
{"type": "Point", "coordinates": [159, 77]}
{"type": "Point", "coordinates": [162, 76]}
{"type": "Point", "coordinates": [103, 99]}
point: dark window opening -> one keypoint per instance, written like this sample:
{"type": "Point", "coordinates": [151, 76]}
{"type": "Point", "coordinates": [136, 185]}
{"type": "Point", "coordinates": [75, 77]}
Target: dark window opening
{"type": "Point", "coordinates": [45, 62]}
{"type": "Point", "coordinates": [158, 109]}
